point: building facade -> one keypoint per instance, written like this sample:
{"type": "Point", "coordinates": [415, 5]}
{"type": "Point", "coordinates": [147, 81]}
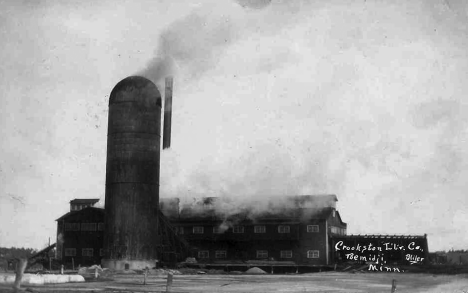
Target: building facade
{"type": "Point", "coordinates": [296, 230]}
{"type": "Point", "coordinates": [80, 234]}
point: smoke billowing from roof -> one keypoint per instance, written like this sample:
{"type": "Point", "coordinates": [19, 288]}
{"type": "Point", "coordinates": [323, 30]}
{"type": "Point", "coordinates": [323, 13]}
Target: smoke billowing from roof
{"type": "Point", "coordinates": [229, 210]}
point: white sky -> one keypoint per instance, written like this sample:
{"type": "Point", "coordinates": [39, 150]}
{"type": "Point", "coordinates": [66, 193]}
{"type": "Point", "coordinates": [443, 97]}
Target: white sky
{"type": "Point", "coordinates": [363, 99]}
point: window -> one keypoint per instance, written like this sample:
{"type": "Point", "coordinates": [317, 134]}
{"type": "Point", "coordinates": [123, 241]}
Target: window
{"type": "Point", "coordinates": [101, 252]}
{"type": "Point", "coordinates": [100, 227]}
{"type": "Point", "coordinates": [88, 226]}
{"type": "Point", "coordinates": [238, 229]}
{"type": "Point", "coordinates": [312, 254]}
{"type": "Point", "coordinates": [334, 213]}
{"type": "Point", "coordinates": [220, 254]}
{"type": "Point", "coordinates": [262, 253]}
{"type": "Point", "coordinates": [72, 226]}
{"type": "Point", "coordinates": [286, 254]}
{"type": "Point", "coordinates": [312, 228]}
{"type": "Point", "coordinates": [203, 254]}
{"type": "Point", "coordinates": [337, 230]}
{"type": "Point", "coordinates": [259, 229]}
{"type": "Point", "coordinates": [179, 230]}
{"type": "Point", "coordinates": [217, 230]}
{"type": "Point", "coordinates": [70, 251]}
{"type": "Point", "coordinates": [283, 229]}
{"type": "Point", "coordinates": [198, 230]}
{"type": "Point", "coordinates": [87, 252]}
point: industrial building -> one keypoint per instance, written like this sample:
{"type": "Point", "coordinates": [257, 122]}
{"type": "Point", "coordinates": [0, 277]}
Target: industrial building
{"type": "Point", "coordinates": [298, 233]}
{"type": "Point", "coordinates": [294, 231]}
{"type": "Point", "coordinates": [137, 229]}
{"type": "Point", "coordinates": [80, 234]}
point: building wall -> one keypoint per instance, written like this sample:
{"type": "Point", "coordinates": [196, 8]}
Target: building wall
{"type": "Point", "coordinates": [460, 258]}
{"type": "Point", "coordinates": [81, 230]}
{"type": "Point", "coordinates": [313, 241]}
{"type": "Point", "coordinates": [305, 247]}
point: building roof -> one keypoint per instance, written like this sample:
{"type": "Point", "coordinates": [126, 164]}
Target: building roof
{"type": "Point", "coordinates": [295, 215]}
{"type": "Point", "coordinates": [80, 211]}
{"type": "Point", "coordinates": [212, 208]}
{"type": "Point", "coordinates": [84, 200]}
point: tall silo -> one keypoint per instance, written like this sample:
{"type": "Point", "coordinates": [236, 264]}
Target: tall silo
{"type": "Point", "coordinates": [132, 175]}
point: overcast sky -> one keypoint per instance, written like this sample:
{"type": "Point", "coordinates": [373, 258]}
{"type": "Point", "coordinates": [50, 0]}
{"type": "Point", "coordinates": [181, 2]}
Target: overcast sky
{"type": "Point", "coordinates": [362, 99]}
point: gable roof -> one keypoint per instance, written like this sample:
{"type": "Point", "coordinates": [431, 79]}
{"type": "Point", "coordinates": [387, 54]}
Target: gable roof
{"type": "Point", "coordinates": [339, 218]}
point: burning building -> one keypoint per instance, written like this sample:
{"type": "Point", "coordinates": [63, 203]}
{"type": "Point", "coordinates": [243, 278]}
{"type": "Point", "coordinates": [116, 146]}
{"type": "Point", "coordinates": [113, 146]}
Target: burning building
{"type": "Point", "coordinates": [136, 230]}
{"type": "Point", "coordinates": [285, 231]}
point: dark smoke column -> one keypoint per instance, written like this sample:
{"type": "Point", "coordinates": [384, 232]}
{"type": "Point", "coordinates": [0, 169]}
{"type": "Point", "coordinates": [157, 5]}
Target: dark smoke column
{"type": "Point", "coordinates": [132, 175]}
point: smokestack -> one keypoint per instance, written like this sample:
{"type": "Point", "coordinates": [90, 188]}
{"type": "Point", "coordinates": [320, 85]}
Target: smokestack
{"type": "Point", "coordinates": [167, 113]}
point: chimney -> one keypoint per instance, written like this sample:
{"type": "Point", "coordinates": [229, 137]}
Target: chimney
{"type": "Point", "coordinates": [167, 113]}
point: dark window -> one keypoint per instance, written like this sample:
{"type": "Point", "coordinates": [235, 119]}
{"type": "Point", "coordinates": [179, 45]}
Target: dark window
{"type": "Point", "coordinates": [238, 229]}
{"type": "Point", "coordinates": [259, 229]}
{"type": "Point", "coordinates": [203, 254]}
{"type": "Point", "coordinates": [220, 254]}
{"type": "Point", "coordinates": [312, 228]}
{"type": "Point", "coordinates": [198, 230]}
{"type": "Point", "coordinates": [88, 226]}
{"type": "Point", "coordinates": [72, 226]}
{"type": "Point", "coordinates": [87, 252]}
{"type": "Point", "coordinates": [283, 229]}
{"type": "Point", "coordinates": [262, 253]}
{"type": "Point", "coordinates": [313, 254]}
{"type": "Point", "coordinates": [70, 251]}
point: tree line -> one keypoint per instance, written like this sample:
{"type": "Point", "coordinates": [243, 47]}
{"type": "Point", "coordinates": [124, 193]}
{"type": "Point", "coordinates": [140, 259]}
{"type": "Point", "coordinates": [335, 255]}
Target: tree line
{"type": "Point", "coordinates": [16, 252]}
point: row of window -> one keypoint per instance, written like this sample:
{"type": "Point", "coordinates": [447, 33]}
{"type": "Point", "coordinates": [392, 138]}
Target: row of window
{"type": "Point", "coordinates": [84, 252]}
{"type": "Point", "coordinates": [338, 230]}
{"type": "Point", "coordinates": [84, 226]}
{"type": "Point", "coordinates": [259, 254]}
{"type": "Point", "coordinates": [77, 207]}
{"type": "Point", "coordinates": [240, 229]}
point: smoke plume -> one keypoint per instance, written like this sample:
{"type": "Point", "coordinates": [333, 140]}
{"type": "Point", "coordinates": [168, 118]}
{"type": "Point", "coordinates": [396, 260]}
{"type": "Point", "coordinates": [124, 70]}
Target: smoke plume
{"type": "Point", "coordinates": [230, 210]}
{"type": "Point", "coordinates": [194, 43]}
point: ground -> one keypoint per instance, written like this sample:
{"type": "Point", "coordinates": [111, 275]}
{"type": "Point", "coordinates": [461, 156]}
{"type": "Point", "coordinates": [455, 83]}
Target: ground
{"type": "Point", "coordinates": [317, 282]}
